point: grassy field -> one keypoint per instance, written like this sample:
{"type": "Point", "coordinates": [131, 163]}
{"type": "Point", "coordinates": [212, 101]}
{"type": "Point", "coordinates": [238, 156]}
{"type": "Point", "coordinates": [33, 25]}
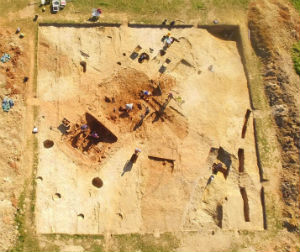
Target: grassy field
{"type": "Point", "coordinates": [296, 3]}
{"type": "Point", "coordinates": [147, 11]}
{"type": "Point", "coordinates": [130, 6]}
{"type": "Point", "coordinates": [7, 6]}
{"type": "Point", "coordinates": [296, 57]}
{"type": "Point", "coordinates": [155, 6]}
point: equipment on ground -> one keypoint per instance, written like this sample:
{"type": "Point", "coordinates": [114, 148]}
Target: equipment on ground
{"type": "Point", "coordinates": [55, 5]}
{"type": "Point", "coordinates": [35, 130]}
{"type": "Point", "coordinates": [143, 56]}
{"type": "Point", "coordinates": [7, 104]}
{"type": "Point", "coordinates": [5, 58]}
{"type": "Point", "coordinates": [63, 3]}
{"type": "Point", "coordinates": [66, 123]}
{"type": "Point", "coordinates": [135, 52]}
{"type": "Point", "coordinates": [96, 14]}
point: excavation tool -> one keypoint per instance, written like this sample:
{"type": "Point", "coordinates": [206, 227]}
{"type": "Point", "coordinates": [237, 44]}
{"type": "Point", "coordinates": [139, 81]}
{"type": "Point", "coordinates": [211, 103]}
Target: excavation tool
{"type": "Point", "coordinates": [135, 52]}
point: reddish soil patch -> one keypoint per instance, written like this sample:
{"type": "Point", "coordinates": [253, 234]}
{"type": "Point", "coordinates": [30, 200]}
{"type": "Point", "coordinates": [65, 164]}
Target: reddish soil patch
{"type": "Point", "coordinates": [13, 70]}
{"type": "Point", "coordinates": [94, 140]}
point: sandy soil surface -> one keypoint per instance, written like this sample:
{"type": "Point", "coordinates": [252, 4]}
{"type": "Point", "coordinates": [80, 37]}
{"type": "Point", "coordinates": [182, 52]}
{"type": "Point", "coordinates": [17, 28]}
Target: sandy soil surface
{"type": "Point", "coordinates": [166, 193]}
{"type": "Point", "coordinates": [282, 88]}
{"type": "Point", "coordinates": [12, 131]}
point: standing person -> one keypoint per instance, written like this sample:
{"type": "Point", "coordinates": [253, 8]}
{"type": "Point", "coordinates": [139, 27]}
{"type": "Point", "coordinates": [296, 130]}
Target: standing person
{"type": "Point", "coordinates": [84, 127]}
{"type": "Point", "coordinates": [145, 94]}
{"type": "Point", "coordinates": [211, 178]}
{"type": "Point", "coordinates": [135, 155]}
{"type": "Point", "coordinates": [147, 111]}
{"type": "Point", "coordinates": [129, 107]}
{"type": "Point", "coordinates": [168, 40]}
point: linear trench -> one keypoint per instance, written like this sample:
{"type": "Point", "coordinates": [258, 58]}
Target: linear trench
{"type": "Point", "coordinates": [263, 205]}
{"type": "Point", "coordinates": [261, 172]}
{"type": "Point", "coordinates": [241, 156]}
{"type": "Point", "coordinates": [247, 115]}
{"type": "Point", "coordinates": [246, 204]}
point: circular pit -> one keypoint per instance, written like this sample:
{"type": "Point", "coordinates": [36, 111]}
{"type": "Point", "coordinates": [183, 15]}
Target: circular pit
{"type": "Point", "coordinates": [48, 143]}
{"type": "Point", "coordinates": [97, 182]}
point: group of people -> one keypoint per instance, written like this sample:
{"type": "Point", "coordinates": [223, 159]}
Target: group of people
{"type": "Point", "coordinates": [84, 128]}
{"type": "Point", "coordinates": [145, 95]}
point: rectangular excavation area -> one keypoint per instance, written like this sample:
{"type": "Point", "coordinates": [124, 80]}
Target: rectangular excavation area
{"type": "Point", "coordinates": [90, 137]}
{"type": "Point", "coordinates": [110, 79]}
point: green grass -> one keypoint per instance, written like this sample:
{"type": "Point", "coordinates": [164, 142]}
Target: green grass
{"type": "Point", "coordinates": [147, 11]}
{"type": "Point", "coordinates": [266, 148]}
{"type": "Point", "coordinates": [167, 242]}
{"type": "Point", "coordinates": [296, 3]}
{"type": "Point", "coordinates": [154, 6]}
{"type": "Point", "coordinates": [198, 4]}
{"type": "Point", "coordinates": [228, 3]}
{"type": "Point", "coordinates": [33, 182]}
{"type": "Point", "coordinates": [20, 221]}
{"type": "Point", "coordinates": [296, 56]}
{"type": "Point", "coordinates": [7, 6]}
{"type": "Point", "coordinates": [146, 243]}
{"type": "Point", "coordinates": [130, 6]}
{"type": "Point", "coordinates": [27, 240]}
{"type": "Point", "coordinates": [92, 243]}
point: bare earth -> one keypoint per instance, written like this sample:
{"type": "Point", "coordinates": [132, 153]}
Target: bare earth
{"type": "Point", "coordinates": [69, 192]}
{"type": "Point", "coordinates": [153, 195]}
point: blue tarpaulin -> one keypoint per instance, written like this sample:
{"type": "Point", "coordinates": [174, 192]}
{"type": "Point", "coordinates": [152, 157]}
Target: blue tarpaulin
{"type": "Point", "coordinates": [7, 104]}
{"type": "Point", "coordinates": [5, 58]}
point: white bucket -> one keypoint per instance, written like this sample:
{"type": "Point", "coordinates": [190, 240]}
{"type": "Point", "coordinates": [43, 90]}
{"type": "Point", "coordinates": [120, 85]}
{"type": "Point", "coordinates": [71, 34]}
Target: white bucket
{"type": "Point", "coordinates": [43, 2]}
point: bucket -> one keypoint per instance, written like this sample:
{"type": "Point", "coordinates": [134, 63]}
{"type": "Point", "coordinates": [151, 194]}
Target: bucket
{"type": "Point", "coordinates": [43, 2]}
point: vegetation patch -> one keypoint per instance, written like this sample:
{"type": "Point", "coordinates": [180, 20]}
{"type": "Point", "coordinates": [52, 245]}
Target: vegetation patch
{"type": "Point", "coordinates": [296, 55]}
{"type": "Point", "coordinates": [92, 243]}
{"type": "Point", "coordinates": [198, 4]}
{"type": "Point", "coordinates": [227, 3]}
{"type": "Point", "coordinates": [146, 243]}
{"type": "Point", "coordinates": [27, 241]}
{"type": "Point", "coordinates": [296, 3]}
{"type": "Point", "coordinates": [131, 6]}
{"type": "Point", "coordinates": [11, 5]}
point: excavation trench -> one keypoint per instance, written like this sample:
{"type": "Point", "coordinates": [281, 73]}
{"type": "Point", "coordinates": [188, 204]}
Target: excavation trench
{"type": "Point", "coordinates": [247, 115]}
{"type": "Point", "coordinates": [246, 204]}
{"type": "Point", "coordinates": [106, 136]}
{"type": "Point", "coordinates": [219, 215]}
{"type": "Point", "coordinates": [263, 205]}
{"type": "Point", "coordinates": [170, 161]}
{"type": "Point", "coordinates": [241, 156]}
{"type": "Point", "coordinates": [260, 169]}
